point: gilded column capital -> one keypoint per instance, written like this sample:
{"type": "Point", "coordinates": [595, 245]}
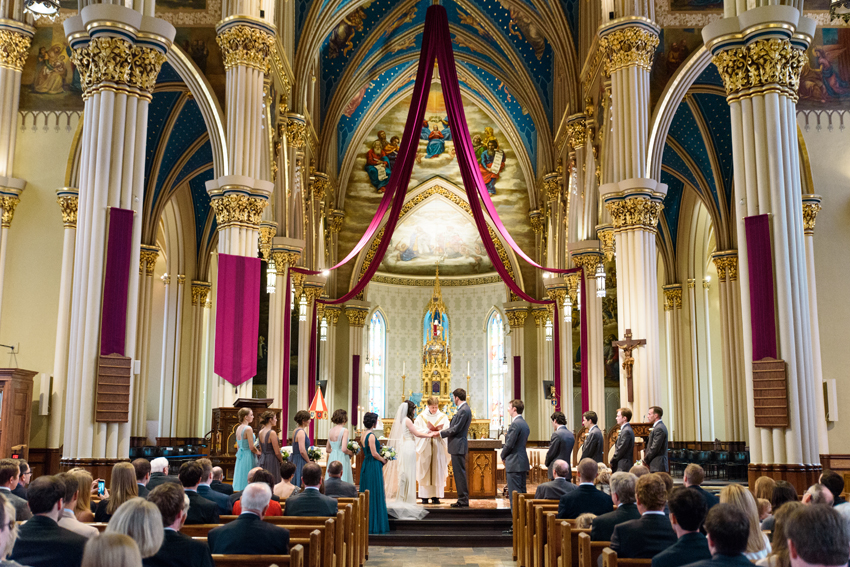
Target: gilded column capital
{"type": "Point", "coordinates": [245, 42]}
{"type": "Point", "coordinates": [335, 217]}
{"type": "Point", "coordinates": [635, 210]}
{"type": "Point", "coordinates": [540, 314]}
{"type": "Point", "coordinates": [116, 64]}
{"type": "Point", "coordinates": [200, 292]}
{"type": "Point", "coordinates": [15, 42]}
{"type": "Point", "coordinates": [672, 297]}
{"type": "Point", "coordinates": [321, 185]}
{"type": "Point", "coordinates": [772, 64]}
{"type": "Point", "coordinates": [577, 131]}
{"type": "Point", "coordinates": [726, 263]}
{"type": "Point", "coordinates": [588, 260]}
{"type": "Point", "coordinates": [605, 234]}
{"type": "Point", "coordinates": [8, 202]}
{"type": "Point", "coordinates": [516, 317]}
{"type": "Point", "coordinates": [68, 197]}
{"type": "Point", "coordinates": [356, 315]}
{"type": "Point", "coordinates": [811, 208]}
{"type": "Point", "coordinates": [238, 209]}
{"type": "Point", "coordinates": [147, 259]}
{"type": "Point", "coordinates": [628, 42]}
{"type": "Point", "coordinates": [181, 279]}
{"type": "Point", "coordinates": [552, 186]}
{"type": "Point", "coordinates": [332, 312]}
{"type": "Point", "coordinates": [313, 293]}
{"type": "Point", "coordinates": [267, 232]}
{"type": "Point", "coordinates": [285, 258]}
{"type": "Point", "coordinates": [573, 284]}
{"type": "Point", "coordinates": [692, 283]}
{"type": "Point", "coordinates": [537, 221]}
{"type": "Point", "coordinates": [165, 278]}
{"type": "Point", "coordinates": [294, 128]}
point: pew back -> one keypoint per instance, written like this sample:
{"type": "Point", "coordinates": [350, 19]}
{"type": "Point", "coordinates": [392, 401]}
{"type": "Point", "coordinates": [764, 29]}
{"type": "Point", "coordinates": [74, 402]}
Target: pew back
{"type": "Point", "coordinates": [589, 551]}
{"type": "Point", "coordinates": [294, 559]}
{"type": "Point", "coordinates": [609, 559]}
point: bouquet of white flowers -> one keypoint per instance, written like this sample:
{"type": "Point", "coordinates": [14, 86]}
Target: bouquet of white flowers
{"type": "Point", "coordinates": [314, 453]}
{"type": "Point", "coordinates": [354, 447]}
{"type": "Point", "coordinates": [285, 452]}
{"type": "Point", "coordinates": [388, 453]}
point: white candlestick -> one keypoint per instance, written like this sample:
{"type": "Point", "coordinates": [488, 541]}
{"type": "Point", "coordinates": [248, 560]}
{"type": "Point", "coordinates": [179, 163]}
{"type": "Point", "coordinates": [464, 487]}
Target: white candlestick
{"type": "Point", "coordinates": [403, 368]}
{"type": "Point", "coordinates": [467, 368]}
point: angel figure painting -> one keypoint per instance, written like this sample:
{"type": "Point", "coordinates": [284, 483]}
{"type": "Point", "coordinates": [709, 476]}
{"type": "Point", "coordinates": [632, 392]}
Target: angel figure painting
{"type": "Point", "coordinates": [825, 80]}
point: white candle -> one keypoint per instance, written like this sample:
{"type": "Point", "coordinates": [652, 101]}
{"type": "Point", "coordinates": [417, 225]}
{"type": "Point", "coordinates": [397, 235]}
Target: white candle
{"type": "Point", "coordinates": [467, 368]}
{"type": "Point", "coordinates": [403, 368]}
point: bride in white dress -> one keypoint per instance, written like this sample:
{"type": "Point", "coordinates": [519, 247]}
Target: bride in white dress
{"type": "Point", "coordinates": [400, 474]}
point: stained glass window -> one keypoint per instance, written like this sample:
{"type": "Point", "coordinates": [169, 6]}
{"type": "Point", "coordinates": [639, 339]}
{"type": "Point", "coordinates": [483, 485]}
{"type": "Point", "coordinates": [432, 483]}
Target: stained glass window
{"type": "Point", "coordinates": [376, 364]}
{"type": "Point", "coordinates": [496, 370]}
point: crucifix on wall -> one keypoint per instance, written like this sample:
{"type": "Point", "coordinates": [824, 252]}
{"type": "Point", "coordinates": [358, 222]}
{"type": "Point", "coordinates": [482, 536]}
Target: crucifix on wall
{"type": "Point", "coordinates": [627, 345]}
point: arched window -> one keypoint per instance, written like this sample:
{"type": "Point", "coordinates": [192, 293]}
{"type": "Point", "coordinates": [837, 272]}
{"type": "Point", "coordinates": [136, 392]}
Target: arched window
{"type": "Point", "coordinates": [376, 366]}
{"type": "Point", "coordinates": [496, 370]}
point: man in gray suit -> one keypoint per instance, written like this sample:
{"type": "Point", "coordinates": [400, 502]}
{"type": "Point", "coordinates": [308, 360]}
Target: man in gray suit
{"type": "Point", "coordinates": [458, 448]}
{"type": "Point", "coordinates": [311, 502]}
{"type": "Point", "coordinates": [560, 445]}
{"type": "Point", "coordinates": [335, 487]}
{"type": "Point", "coordinates": [514, 454]}
{"type": "Point", "coordinates": [592, 447]}
{"type": "Point", "coordinates": [656, 449]}
{"type": "Point", "coordinates": [624, 449]}
{"type": "Point", "coordinates": [554, 489]}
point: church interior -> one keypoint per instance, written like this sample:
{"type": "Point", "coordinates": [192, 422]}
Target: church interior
{"type": "Point", "coordinates": [255, 200]}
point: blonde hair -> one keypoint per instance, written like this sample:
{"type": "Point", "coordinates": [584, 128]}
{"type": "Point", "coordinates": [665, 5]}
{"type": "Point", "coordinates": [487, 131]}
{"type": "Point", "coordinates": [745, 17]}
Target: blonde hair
{"type": "Point", "coordinates": [123, 486]}
{"type": "Point", "coordinates": [9, 519]}
{"type": "Point", "coordinates": [111, 550]}
{"type": "Point", "coordinates": [85, 480]}
{"type": "Point", "coordinates": [779, 541]}
{"type": "Point", "coordinates": [142, 521]}
{"type": "Point", "coordinates": [585, 521]}
{"type": "Point", "coordinates": [741, 498]}
{"type": "Point", "coordinates": [764, 488]}
{"type": "Point", "coordinates": [434, 401]}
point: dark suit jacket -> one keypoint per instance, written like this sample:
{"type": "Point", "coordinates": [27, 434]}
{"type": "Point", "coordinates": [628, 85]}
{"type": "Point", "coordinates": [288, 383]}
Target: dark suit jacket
{"type": "Point", "coordinates": [310, 503]}
{"type": "Point", "coordinates": [42, 543]}
{"type": "Point", "coordinates": [20, 491]}
{"type": "Point", "coordinates": [249, 535]}
{"type": "Point", "coordinates": [688, 549]}
{"type": "Point", "coordinates": [100, 513]}
{"type": "Point", "coordinates": [624, 450]}
{"type": "Point", "coordinates": [656, 449]}
{"type": "Point", "coordinates": [22, 509]}
{"type": "Point", "coordinates": [554, 489]}
{"type": "Point", "coordinates": [224, 506]}
{"type": "Point", "coordinates": [143, 490]}
{"type": "Point", "coordinates": [338, 488]}
{"type": "Point", "coordinates": [222, 487]}
{"type": "Point", "coordinates": [179, 550]}
{"type": "Point", "coordinates": [585, 498]}
{"type": "Point", "coordinates": [643, 538]}
{"type": "Point", "coordinates": [514, 454]}
{"type": "Point", "coordinates": [457, 431]}
{"type": "Point", "coordinates": [593, 443]}
{"type": "Point", "coordinates": [724, 561]}
{"type": "Point", "coordinates": [201, 510]}
{"type": "Point", "coordinates": [603, 526]}
{"type": "Point", "coordinates": [560, 447]}
{"type": "Point", "coordinates": [710, 498]}
{"type": "Point", "coordinates": [158, 478]}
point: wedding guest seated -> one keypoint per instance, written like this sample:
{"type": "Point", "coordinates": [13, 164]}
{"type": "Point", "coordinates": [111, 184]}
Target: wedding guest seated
{"type": "Point", "coordinates": [140, 520]}
{"type": "Point", "coordinates": [159, 473]}
{"type": "Point", "coordinates": [177, 550]}
{"type": "Point", "coordinates": [687, 513]}
{"type": "Point", "coordinates": [783, 492]}
{"type": "Point", "coordinates": [758, 546]}
{"type": "Point", "coordinates": [284, 489]}
{"type": "Point", "coordinates": [835, 483]}
{"type": "Point", "coordinates": [9, 473]}
{"type": "Point", "coordinates": [143, 475]}
{"type": "Point", "coordinates": [652, 533]}
{"type": "Point", "coordinates": [585, 521]}
{"type": "Point", "coordinates": [249, 534]}
{"type": "Point", "coordinates": [112, 550]}
{"type": "Point", "coordinates": [201, 510]}
{"type": "Point", "coordinates": [218, 483]}
{"type": "Point", "coordinates": [693, 477]}
{"type": "Point", "coordinates": [205, 488]}
{"type": "Point", "coordinates": [236, 495]}
{"type": "Point", "coordinates": [41, 541]}
{"type": "Point", "coordinates": [311, 502]}
{"type": "Point", "coordinates": [763, 508]}
{"type": "Point", "coordinates": [585, 498]}
{"type": "Point", "coordinates": [69, 519]}
{"type": "Point", "coordinates": [603, 481]}
{"type": "Point", "coordinates": [554, 489]}
{"type": "Point", "coordinates": [85, 507]}
{"type": "Point", "coordinates": [623, 495]}
{"type": "Point", "coordinates": [122, 488]}
{"type": "Point", "coordinates": [23, 481]}
{"type": "Point", "coordinates": [817, 535]}
{"type": "Point", "coordinates": [335, 487]}
{"type": "Point", "coordinates": [639, 470]}
{"type": "Point", "coordinates": [818, 494]}
{"type": "Point", "coordinates": [264, 477]}
{"type": "Point", "coordinates": [728, 529]}
{"type": "Point", "coordinates": [8, 532]}
{"type": "Point", "coordinates": [779, 556]}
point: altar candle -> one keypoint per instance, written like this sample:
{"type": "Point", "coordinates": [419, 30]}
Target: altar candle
{"type": "Point", "coordinates": [403, 368]}
{"type": "Point", "coordinates": [467, 368]}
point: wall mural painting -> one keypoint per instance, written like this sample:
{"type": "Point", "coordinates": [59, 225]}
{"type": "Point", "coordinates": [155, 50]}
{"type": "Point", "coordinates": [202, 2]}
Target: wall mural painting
{"type": "Point", "coordinates": [199, 44]}
{"type": "Point", "coordinates": [611, 355]}
{"type": "Point", "coordinates": [49, 80]}
{"type": "Point", "coordinates": [825, 81]}
{"type": "Point", "coordinates": [674, 47]}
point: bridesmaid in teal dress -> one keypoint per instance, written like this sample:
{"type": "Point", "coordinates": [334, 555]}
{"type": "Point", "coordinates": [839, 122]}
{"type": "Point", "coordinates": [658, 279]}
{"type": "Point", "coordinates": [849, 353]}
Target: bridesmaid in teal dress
{"type": "Point", "coordinates": [372, 477]}
{"type": "Point", "coordinates": [246, 455]}
{"type": "Point", "coordinates": [337, 446]}
{"type": "Point", "coordinates": [300, 444]}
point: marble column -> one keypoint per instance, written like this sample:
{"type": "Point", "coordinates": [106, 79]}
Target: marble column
{"type": "Point", "coordinates": [118, 53]}
{"type": "Point", "coordinates": [67, 198]}
{"type": "Point", "coordinates": [191, 424]}
{"type": "Point", "coordinates": [695, 385]}
{"type": "Point", "coordinates": [557, 290]}
{"type": "Point", "coordinates": [313, 288]}
{"type": "Point", "coordinates": [676, 403]}
{"type": "Point", "coordinates": [357, 312]}
{"type": "Point", "coordinates": [543, 316]}
{"type": "Point", "coordinates": [734, 382]}
{"type": "Point", "coordinates": [285, 254]}
{"type": "Point", "coordinates": [147, 263]}
{"type": "Point", "coordinates": [760, 55]}
{"type": "Point", "coordinates": [169, 371]}
{"type": "Point", "coordinates": [516, 312]}
{"type": "Point", "coordinates": [327, 364]}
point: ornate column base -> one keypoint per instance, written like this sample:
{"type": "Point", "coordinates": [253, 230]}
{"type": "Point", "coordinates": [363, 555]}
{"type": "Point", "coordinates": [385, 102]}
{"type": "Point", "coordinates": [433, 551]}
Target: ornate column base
{"type": "Point", "coordinates": [801, 476]}
{"type": "Point", "coordinates": [99, 468]}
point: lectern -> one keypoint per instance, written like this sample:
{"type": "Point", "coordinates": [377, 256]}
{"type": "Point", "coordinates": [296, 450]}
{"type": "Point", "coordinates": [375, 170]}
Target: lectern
{"type": "Point", "coordinates": [15, 410]}
{"type": "Point", "coordinates": [222, 445]}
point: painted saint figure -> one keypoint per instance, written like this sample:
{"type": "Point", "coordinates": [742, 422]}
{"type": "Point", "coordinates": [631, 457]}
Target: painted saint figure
{"type": "Point", "coordinates": [491, 164]}
{"type": "Point", "coordinates": [378, 166]}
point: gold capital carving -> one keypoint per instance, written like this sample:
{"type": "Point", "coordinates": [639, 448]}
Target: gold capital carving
{"type": "Point", "coordinates": [181, 279]}
{"type": "Point", "coordinates": [356, 316]}
{"type": "Point", "coordinates": [691, 283]}
{"type": "Point", "coordinates": [672, 297]}
{"type": "Point", "coordinates": [552, 186]}
{"type": "Point", "coordinates": [762, 66]}
{"type": "Point", "coordinates": [332, 313]}
{"type": "Point", "coordinates": [9, 203]}
{"type": "Point", "coordinates": [606, 239]}
{"type": "Point", "coordinates": [14, 48]}
{"type": "Point", "coordinates": [284, 258]}
{"type": "Point", "coordinates": [267, 232]}
{"type": "Point", "coordinates": [238, 209]}
{"type": "Point", "coordinates": [246, 46]}
{"type": "Point", "coordinates": [68, 204]}
{"type": "Point", "coordinates": [321, 184]}
{"type": "Point", "coordinates": [516, 317]}
{"type": "Point", "coordinates": [573, 283]}
{"type": "Point", "coordinates": [635, 212]}
{"type": "Point", "coordinates": [810, 215]}
{"type": "Point", "coordinates": [727, 266]}
{"type": "Point", "coordinates": [200, 291]}
{"type": "Point", "coordinates": [147, 259]}
{"type": "Point", "coordinates": [296, 134]}
{"type": "Point", "coordinates": [313, 293]}
{"type": "Point", "coordinates": [577, 133]}
{"type": "Point", "coordinates": [628, 47]}
{"type": "Point", "coordinates": [335, 218]}
{"type": "Point", "coordinates": [110, 62]}
{"type": "Point", "coordinates": [541, 314]}
{"type": "Point", "coordinates": [537, 221]}
{"type": "Point", "coordinates": [588, 261]}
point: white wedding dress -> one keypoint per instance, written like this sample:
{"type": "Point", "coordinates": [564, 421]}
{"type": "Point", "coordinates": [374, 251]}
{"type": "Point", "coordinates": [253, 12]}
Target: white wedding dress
{"type": "Point", "coordinates": [400, 474]}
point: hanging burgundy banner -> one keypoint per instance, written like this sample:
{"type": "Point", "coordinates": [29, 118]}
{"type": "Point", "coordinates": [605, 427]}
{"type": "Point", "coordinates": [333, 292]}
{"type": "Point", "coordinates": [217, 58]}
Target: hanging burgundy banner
{"type": "Point", "coordinates": [116, 282]}
{"type": "Point", "coordinates": [237, 318]}
{"type": "Point", "coordinates": [287, 339]}
{"type": "Point", "coordinates": [760, 267]}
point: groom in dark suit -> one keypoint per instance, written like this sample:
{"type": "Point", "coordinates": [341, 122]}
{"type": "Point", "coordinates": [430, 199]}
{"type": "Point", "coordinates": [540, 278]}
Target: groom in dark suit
{"type": "Point", "coordinates": [514, 454]}
{"type": "Point", "coordinates": [655, 456]}
{"type": "Point", "coordinates": [624, 449]}
{"type": "Point", "coordinates": [458, 448]}
{"type": "Point", "coordinates": [592, 447]}
{"type": "Point", "coordinates": [560, 445]}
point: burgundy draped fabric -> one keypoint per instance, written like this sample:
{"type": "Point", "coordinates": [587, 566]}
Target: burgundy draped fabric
{"type": "Point", "coordinates": [116, 282]}
{"type": "Point", "coordinates": [517, 377]}
{"type": "Point", "coordinates": [355, 387]}
{"type": "Point", "coordinates": [760, 267]}
{"type": "Point", "coordinates": [311, 385]}
{"type": "Point", "coordinates": [287, 339]}
{"type": "Point", "coordinates": [237, 318]}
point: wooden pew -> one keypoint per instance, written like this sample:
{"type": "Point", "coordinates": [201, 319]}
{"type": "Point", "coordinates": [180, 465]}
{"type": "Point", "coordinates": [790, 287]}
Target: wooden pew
{"type": "Point", "coordinates": [589, 551]}
{"type": "Point", "coordinates": [294, 559]}
{"type": "Point", "coordinates": [310, 548]}
{"type": "Point", "coordinates": [517, 504]}
{"type": "Point", "coordinates": [552, 549]}
{"type": "Point", "coordinates": [526, 520]}
{"type": "Point", "coordinates": [538, 541]}
{"type": "Point", "coordinates": [609, 559]}
{"type": "Point", "coordinates": [569, 544]}
{"type": "Point", "coordinates": [355, 552]}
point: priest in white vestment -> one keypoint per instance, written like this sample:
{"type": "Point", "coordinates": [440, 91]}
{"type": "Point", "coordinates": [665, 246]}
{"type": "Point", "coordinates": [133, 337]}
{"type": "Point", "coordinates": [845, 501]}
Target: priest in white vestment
{"type": "Point", "coordinates": [432, 465]}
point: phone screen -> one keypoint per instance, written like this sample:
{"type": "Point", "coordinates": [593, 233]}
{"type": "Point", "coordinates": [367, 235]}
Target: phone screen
{"type": "Point", "coordinates": [101, 487]}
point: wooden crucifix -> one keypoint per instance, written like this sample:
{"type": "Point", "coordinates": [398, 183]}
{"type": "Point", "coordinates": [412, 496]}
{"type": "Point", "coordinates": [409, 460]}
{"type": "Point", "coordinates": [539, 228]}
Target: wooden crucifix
{"type": "Point", "coordinates": [627, 345]}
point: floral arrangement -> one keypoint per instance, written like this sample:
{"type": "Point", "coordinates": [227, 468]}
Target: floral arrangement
{"type": "Point", "coordinates": [314, 453]}
{"type": "Point", "coordinates": [285, 452]}
{"type": "Point", "coordinates": [354, 447]}
{"type": "Point", "coordinates": [388, 453]}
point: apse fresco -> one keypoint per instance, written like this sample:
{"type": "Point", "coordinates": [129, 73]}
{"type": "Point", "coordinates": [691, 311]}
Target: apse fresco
{"type": "Point", "coordinates": [674, 47]}
{"type": "Point", "coordinates": [199, 44]}
{"type": "Point", "coordinates": [49, 81]}
{"type": "Point", "coordinates": [825, 81]}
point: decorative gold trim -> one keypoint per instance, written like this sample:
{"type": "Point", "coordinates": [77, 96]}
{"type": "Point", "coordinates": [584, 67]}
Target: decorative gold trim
{"type": "Point", "coordinates": [637, 212]}
{"type": "Point", "coordinates": [726, 264]}
{"type": "Point", "coordinates": [113, 63]}
{"type": "Point", "coordinates": [516, 317]}
{"type": "Point", "coordinates": [588, 260]}
{"type": "Point", "coordinates": [147, 259]}
{"type": "Point", "coordinates": [765, 65]}
{"type": "Point", "coordinates": [628, 47]}
{"type": "Point", "coordinates": [428, 282]}
{"type": "Point", "coordinates": [672, 297]}
{"type": "Point", "coordinates": [200, 291]}
{"type": "Point", "coordinates": [236, 209]}
{"type": "Point", "coordinates": [246, 46]}
{"type": "Point", "coordinates": [267, 232]}
{"type": "Point", "coordinates": [537, 221]}
{"type": "Point", "coordinates": [605, 234]}
{"type": "Point", "coordinates": [14, 49]}
{"type": "Point", "coordinates": [577, 131]}
{"type": "Point", "coordinates": [9, 203]}
{"type": "Point", "coordinates": [68, 204]}
{"type": "Point", "coordinates": [356, 316]}
{"type": "Point", "coordinates": [811, 208]}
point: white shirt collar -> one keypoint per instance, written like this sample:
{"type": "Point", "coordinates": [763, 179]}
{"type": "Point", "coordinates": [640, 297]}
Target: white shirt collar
{"type": "Point", "coordinates": [316, 488]}
{"type": "Point", "coordinates": [653, 512]}
{"type": "Point", "coordinates": [461, 404]}
{"type": "Point", "coordinates": [586, 484]}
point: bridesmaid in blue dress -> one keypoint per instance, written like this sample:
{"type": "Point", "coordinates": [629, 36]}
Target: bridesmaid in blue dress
{"type": "Point", "coordinates": [246, 455]}
{"type": "Point", "coordinates": [338, 449]}
{"type": "Point", "coordinates": [372, 477]}
{"type": "Point", "coordinates": [300, 444]}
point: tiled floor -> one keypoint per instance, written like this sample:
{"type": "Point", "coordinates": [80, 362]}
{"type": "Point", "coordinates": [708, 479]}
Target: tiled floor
{"type": "Point", "coordinates": [436, 557]}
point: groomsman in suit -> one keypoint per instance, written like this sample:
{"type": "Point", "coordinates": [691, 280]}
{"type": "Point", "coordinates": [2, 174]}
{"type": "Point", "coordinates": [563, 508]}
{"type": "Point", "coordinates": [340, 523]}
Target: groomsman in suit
{"type": "Point", "coordinates": [624, 449]}
{"type": "Point", "coordinates": [592, 448]}
{"type": "Point", "coordinates": [514, 454]}
{"type": "Point", "coordinates": [560, 445]}
{"type": "Point", "coordinates": [554, 489]}
{"type": "Point", "coordinates": [655, 455]}
{"type": "Point", "coordinates": [458, 448]}
{"type": "Point", "coordinates": [585, 498]}
{"type": "Point", "coordinates": [687, 513]}
{"type": "Point", "coordinates": [652, 533]}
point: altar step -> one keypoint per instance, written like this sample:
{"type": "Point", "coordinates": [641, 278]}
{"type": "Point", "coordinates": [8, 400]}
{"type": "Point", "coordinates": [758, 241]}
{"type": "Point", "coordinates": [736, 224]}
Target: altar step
{"type": "Point", "coordinates": [450, 527]}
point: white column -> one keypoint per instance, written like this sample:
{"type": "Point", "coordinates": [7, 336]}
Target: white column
{"type": "Point", "coordinates": [675, 365]}
{"type": "Point", "coordinates": [516, 312]}
{"type": "Point", "coordinates": [327, 365]}
{"type": "Point", "coordinates": [695, 387]}
{"type": "Point", "coordinates": [734, 391]}
{"type": "Point", "coordinates": [192, 424]}
{"type": "Point", "coordinates": [147, 262]}
{"type": "Point", "coordinates": [356, 312]}
{"type": "Point", "coordinates": [285, 253]}
{"type": "Point", "coordinates": [544, 365]}
{"type": "Point", "coordinates": [67, 198]}
{"type": "Point", "coordinates": [118, 75]}
{"type": "Point", "coordinates": [706, 285]}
